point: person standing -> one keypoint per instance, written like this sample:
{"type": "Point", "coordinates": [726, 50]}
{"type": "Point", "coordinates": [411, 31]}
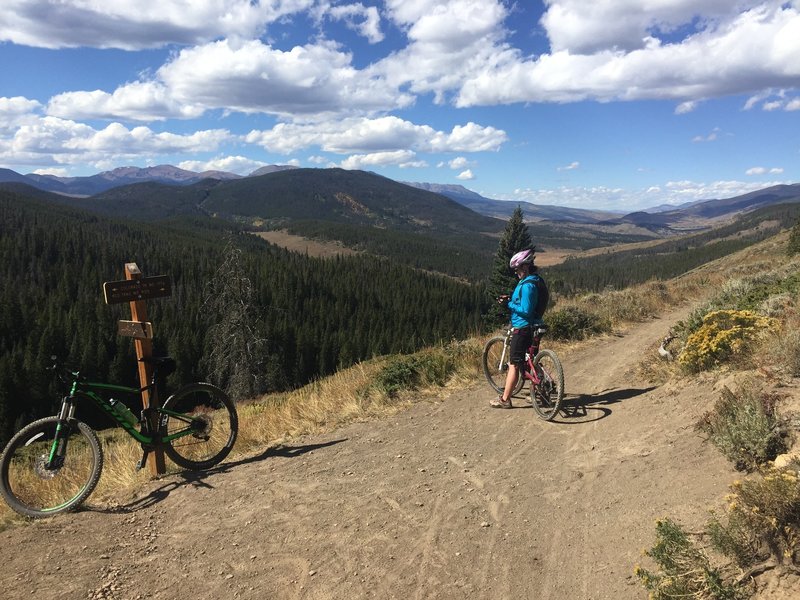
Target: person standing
{"type": "Point", "coordinates": [522, 304]}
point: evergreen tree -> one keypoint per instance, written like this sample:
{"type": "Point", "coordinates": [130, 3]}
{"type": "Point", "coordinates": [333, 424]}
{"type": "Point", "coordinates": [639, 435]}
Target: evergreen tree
{"type": "Point", "coordinates": [516, 237]}
{"type": "Point", "coordinates": [794, 240]}
{"type": "Point", "coordinates": [236, 352]}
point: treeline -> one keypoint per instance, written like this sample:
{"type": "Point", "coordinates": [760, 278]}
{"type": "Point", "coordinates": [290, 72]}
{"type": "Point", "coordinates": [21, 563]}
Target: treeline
{"type": "Point", "coordinates": [460, 255]}
{"type": "Point", "coordinates": [670, 258]}
{"type": "Point", "coordinates": [317, 315]}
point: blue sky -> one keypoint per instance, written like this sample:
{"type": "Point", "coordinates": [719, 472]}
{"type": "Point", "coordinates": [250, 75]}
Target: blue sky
{"type": "Point", "coordinates": [612, 104]}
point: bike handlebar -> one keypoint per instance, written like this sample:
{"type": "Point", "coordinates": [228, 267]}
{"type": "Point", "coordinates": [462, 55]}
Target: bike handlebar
{"type": "Point", "coordinates": [62, 372]}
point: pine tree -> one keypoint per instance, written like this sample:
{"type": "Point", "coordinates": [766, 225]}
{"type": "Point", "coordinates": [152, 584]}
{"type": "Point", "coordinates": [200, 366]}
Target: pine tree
{"type": "Point", "coordinates": [236, 358]}
{"type": "Point", "coordinates": [516, 237]}
{"type": "Point", "coordinates": [794, 240]}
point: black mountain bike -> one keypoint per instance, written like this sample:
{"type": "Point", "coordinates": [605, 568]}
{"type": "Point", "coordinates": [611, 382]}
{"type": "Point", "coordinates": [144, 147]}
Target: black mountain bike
{"type": "Point", "coordinates": [53, 464]}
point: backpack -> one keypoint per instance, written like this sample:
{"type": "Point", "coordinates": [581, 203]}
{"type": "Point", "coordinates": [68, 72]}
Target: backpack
{"type": "Point", "coordinates": [542, 296]}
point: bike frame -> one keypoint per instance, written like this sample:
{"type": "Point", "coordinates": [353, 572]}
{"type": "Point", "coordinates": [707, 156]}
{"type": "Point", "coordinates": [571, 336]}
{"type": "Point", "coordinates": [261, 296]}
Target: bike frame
{"type": "Point", "coordinates": [91, 390]}
{"type": "Point", "coordinates": [529, 372]}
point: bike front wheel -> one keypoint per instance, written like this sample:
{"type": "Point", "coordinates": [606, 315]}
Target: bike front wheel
{"type": "Point", "coordinates": [495, 365]}
{"type": "Point", "coordinates": [40, 480]}
{"type": "Point", "coordinates": [200, 423]}
{"type": "Point", "coordinates": [548, 394]}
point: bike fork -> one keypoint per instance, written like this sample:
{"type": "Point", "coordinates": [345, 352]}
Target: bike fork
{"type": "Point", "coordinates": [58, 450]}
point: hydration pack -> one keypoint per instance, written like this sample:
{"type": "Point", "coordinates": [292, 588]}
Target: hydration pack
{"type": "Point", "coordinates": [542, 295]}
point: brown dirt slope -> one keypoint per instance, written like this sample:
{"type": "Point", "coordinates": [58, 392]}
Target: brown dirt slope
{"type": "Point", "coordinates": [449, 499]}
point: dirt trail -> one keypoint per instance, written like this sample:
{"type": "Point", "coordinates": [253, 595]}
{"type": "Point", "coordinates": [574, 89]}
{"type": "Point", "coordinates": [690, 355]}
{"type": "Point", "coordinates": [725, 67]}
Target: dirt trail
{"type": "Point", "coordinates": [449, 499]}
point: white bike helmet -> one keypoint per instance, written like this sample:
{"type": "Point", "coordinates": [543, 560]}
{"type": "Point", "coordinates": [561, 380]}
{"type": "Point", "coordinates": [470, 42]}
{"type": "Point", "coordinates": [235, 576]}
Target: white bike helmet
{"type": "Point", "coordinates": [525, 257]}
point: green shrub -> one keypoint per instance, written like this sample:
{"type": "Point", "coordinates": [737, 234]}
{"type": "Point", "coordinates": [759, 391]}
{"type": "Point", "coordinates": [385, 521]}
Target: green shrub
{"type": "Point", "coordinates": [573, 323]}
{"type": "Point", "coordinates": [794, 240]}
{"type": "Point", "coordinates": [745, 427]}
{"type": "Point", "coordinates": [684, 569]}
{"type": "Point", "coordinates": [431, 367]}
{"type": "Point", "coordinates": [762, 520]}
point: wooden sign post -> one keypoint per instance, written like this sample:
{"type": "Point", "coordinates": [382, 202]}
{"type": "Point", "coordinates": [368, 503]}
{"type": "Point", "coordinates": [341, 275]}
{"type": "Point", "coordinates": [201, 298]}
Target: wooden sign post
{"type": "Point", "coordinates": [136, 289]}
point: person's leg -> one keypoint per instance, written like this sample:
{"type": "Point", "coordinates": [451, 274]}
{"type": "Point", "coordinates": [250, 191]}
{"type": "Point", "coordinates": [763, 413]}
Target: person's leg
{"type": "Point", "coordinates": [520, 340]}
{"type": "Point", "coordinates": [511, 382]}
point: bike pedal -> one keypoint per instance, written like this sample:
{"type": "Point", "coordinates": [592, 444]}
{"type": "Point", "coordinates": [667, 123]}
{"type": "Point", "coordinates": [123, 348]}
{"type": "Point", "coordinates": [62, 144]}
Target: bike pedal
{"type": "Point", "coordinates": [140, 465]}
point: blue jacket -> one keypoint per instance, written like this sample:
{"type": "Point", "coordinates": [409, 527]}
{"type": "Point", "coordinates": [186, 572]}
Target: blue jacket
{"type": "Point", "coordinates": [523, 303]}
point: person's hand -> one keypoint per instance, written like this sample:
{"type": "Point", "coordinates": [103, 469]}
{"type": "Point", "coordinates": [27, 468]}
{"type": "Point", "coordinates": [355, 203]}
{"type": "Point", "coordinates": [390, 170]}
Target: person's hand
{"type": "Point", "coordinates": [502, 298]}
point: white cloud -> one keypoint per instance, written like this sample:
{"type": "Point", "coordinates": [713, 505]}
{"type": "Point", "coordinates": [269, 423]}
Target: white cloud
{"type": "Point", "coordinates": [138, 24]}
{"type": "Point", "coordinates": [448, 40]}
{"type": "Point", "coordinates": [601, 197]}
{"type": "Point", "coordinates": [240, 165]}
{"type": "Point", "coordinates": [143, 101]}
{"type": "Point", "coordinates": [17, 111]}
{"type": "Point", "coordinates": [365, 161]}
{"type": "Point", "coordinates": [711, 137]}
{"type": "Point", "coordinates": [51, 140]}
{"type": "Point", "coordinates": [247, 77]}
{"type": "Point", "coordinates": [385, 134]}
{"type": "Point", "coordinates": [686, 107]}
{"type": "Point", "coordinates": [764, 171]}
{"type": "Point", "coordinates": [466, 175]}
{"type": "Point", "coordinates": [570, 167]}
{"type": "Point", "coordinates": [364, 20]}
{"type": "Point", "coordinates": [57, 172]}
{"type": "Point", "coordinates": [590, 26]}
{"type": "Point", "coordinates": [459, 162]}
{"type": "Point", "coordinates": [729, 53]}
{"type": "Point", "coordinates": [457, 50]}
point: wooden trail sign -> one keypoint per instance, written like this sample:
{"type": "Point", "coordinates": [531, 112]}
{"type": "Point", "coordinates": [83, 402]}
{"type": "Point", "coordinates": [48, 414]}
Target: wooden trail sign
{"type": "Point", "coordinates": [144, 288]}
{"type": "Point", "coordinates": [136, 289]}
{"type": "Point", "coordinates": [135, 329]}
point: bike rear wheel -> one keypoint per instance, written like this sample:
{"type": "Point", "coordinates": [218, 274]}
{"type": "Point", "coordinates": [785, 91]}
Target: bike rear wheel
{"type": "Point", "coordinates": [495, 365]}
{"type": "Point", "coordinates": [207, 418]}
{"type": "Point", "coordinates": [32, 488]}
{"type": "Point", "coordinates": [548, 394]}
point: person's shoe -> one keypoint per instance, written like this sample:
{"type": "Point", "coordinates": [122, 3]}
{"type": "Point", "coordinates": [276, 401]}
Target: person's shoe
{"type": "Point", "coordinates": [500, 403]}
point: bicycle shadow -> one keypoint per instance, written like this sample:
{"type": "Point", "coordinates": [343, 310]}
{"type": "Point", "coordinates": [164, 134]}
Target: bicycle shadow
{"type": "Point", "coordinates": [198, 478]}
{"type": "Point", "coordinates": [587, 408]}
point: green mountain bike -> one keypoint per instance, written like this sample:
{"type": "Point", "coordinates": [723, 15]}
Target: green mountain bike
{"type": "Point", "coordinates": [53, 464]}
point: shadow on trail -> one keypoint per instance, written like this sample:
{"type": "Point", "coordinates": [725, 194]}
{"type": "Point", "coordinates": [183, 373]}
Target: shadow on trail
{"type": "Point", "coordinates": [586, 408]}
{"type": "Point", "coordinates": [198, 478]}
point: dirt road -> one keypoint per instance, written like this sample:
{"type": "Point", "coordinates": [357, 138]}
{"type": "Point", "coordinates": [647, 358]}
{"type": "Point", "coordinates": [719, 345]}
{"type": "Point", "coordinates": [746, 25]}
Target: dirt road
{"type": "Point", "coordinates": [450, 499]}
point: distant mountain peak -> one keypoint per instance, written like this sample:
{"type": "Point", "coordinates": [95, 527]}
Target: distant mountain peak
{"type": "Point", "coordinates": [267, 169]}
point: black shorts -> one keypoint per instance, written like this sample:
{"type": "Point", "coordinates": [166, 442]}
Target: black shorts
{"type": "Point", "coordinates": [520, 342]}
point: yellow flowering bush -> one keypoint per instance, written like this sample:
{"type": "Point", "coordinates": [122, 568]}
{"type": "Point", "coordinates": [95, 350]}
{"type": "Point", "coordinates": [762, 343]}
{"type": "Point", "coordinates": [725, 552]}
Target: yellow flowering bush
{"type": "Point", "coordinates": [723, 334]}
{"type": "Point", "coordinates": [762, 520]}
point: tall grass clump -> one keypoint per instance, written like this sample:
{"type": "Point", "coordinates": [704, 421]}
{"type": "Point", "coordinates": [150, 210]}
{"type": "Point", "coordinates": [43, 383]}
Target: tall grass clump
{"type": "Point", "coordinates": [782, 349]}
{"type": "Point", "coordinates": [746, 427]}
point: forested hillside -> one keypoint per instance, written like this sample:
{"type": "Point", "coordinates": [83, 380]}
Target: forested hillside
{"type": "Point", "coordinates": [671, 257]}
{"type": "Point", "coordinates": [315, 314]}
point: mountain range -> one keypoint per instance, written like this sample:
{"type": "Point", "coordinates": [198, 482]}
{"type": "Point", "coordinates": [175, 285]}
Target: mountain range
{"type": "Point", "coordinates": [280, 191]}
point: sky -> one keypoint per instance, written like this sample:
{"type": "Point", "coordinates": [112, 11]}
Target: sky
{"type": "Point", "coordinates": [596, 104]}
